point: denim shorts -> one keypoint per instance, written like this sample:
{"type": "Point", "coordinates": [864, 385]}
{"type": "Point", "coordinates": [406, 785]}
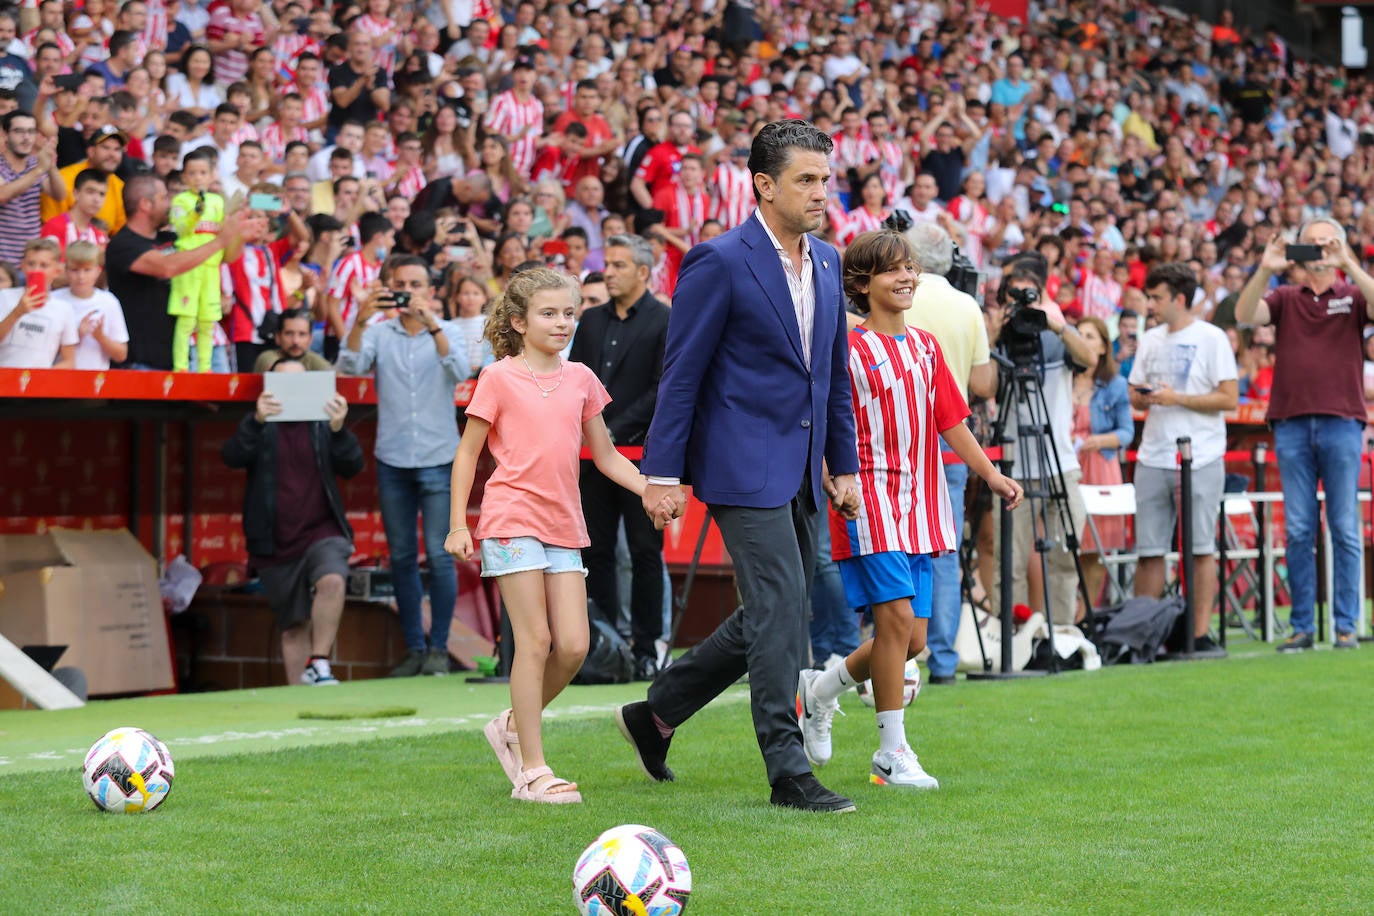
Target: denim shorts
{"type": "Point", "coordinates": [503, 556]}
{"type": "Point", "coordinates": [877, 578]}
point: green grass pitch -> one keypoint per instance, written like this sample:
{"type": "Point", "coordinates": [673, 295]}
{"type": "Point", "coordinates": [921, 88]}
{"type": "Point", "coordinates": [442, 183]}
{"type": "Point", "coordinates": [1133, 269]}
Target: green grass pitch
{"type": "Point", "coordinates": [1234, 786]}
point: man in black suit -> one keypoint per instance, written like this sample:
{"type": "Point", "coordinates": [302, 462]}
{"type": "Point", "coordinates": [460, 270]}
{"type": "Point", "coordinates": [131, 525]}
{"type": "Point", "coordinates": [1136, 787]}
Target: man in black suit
{"type": "Point", "coordinates": [622, 342]}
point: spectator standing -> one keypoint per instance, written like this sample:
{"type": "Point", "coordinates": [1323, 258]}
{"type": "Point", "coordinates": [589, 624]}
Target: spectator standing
{"type": "Point", "coordinates": [353, 277]}
{"type": "Point", "coordinates": [235, 28]}
{"type": "Point", "coordinates": [27, 170]}
{"type": "Point", "coordinates": [661, 164]}
{"type": "Point", "coordinates": [953, 318]}
{"type": "Point", "coordinates": [1185, 378]}
{"type": "Point", "coordinates": [686, 206]}
{"type": "Point", "coordinates": [518, 116]}
{"type": "Point", "coordinates": [418, 360]}
{"type": "Point", "coordinates": [104, 150]}
{"type": "Point", "coordinates": [79, 224]}
{"type": "Point", "coordinates": [36, 332]}
{"type": "Point", "coordinates": [141, 262]}
{"type": "Point", "coordinates": [253, 282]}
{"type": "Point", "coordinates": [1317, 427]}
{"type": "Point", "coordinates": [99, 318]}
{"type": "Point", "coordinates": [600, 141]}
{"type": "Point", "coordinates": [358, 88]}
{"type": "Point", "coordinates": [622, 343]}
{"type": "Point", "coordinates": [299, 539]}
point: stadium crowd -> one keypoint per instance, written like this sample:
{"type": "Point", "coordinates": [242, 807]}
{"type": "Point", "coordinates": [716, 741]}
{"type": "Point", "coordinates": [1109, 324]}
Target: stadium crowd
{"type": "Point", "coordinates": [230, 161]}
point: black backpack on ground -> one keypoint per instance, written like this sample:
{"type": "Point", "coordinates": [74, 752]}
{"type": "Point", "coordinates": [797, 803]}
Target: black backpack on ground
{"type": "Point", "coordinates": [609, 660]}
{"type": "Point", "coordinates": [1134, 631]}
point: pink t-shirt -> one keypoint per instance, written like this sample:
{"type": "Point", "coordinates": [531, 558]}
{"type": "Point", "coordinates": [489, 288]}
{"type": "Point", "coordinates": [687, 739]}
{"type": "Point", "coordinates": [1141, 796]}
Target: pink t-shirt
{"type": "Point", "coordinates": [537, 444]}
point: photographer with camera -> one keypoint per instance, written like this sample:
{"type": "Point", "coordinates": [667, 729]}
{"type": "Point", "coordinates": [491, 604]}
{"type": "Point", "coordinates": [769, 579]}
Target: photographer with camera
{"type": "Point", "coordinates": [1036, 338]}
{"type": "Point", "coordinates": [418, 359]}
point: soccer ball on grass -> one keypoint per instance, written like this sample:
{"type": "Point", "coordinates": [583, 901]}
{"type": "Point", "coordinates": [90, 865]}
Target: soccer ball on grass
{"type": "Point", "coordinates": [910, 688]}
{"type": "Point", "coordinates": [127, 771]}
{"type": "Point", "coordinates": [632, 870]}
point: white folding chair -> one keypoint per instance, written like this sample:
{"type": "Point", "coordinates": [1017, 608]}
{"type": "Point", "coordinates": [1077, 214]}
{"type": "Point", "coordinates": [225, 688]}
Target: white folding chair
{"type": "Point", "coordinates": [1112, 501]}
{"type": "Point", "coordinates": [1240, 582]}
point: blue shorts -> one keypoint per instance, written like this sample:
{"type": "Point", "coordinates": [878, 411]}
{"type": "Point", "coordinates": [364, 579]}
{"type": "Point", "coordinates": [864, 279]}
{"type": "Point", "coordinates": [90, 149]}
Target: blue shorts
{"type": "Point", "coordinates": [891, 576]}
{"type": "Point", "coordinates": [503, 556]}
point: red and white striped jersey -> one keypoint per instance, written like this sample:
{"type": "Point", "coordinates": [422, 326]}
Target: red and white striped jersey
{"type": "Point", "coordinates": [834, 212]}
{"type": "Point", "coordinates": [315, 102]}
{"type": "Point", "coordinates": [413, 183]}
{"type": "Point", "coordinates": [384, 50]}
{"type": "Point", "coordinates": [1099, 296]}
{"type": "Point", "coordinates": [245, 132]}
{"type": "Point", "coordinates": [232, 65]}
{"type": "Point", "coordinates": [275, 138]}
{"type": "Point", "coordinates": [663, 279]}
{"type": "Point", "coordinates": [155, 26]}
{"type": "Point", "coordinates": [977, 224]}
{"type": "Point", "coordinates": [893, 162]}
{"type": "Point", "coordinates": [352, 273]}
{"type": "Point", "coordinates": [732, 192]}
{"type": "Point", "coordinates": [65, 231]}
{"type": "Point", "coordinates": [253, 282]}
{"type": "Point", "coordinates": [903, 396]}
{"type": "Point", "coordinates": [507, 116]}
{"type": "Point", "coordinates": [63, 41]}
{"type": "Point", "coordinates": [857, 222]}
{"type": "Point", "coordinates": [852, 152]}
{"type": "Point", "coordinates": [289, 46]}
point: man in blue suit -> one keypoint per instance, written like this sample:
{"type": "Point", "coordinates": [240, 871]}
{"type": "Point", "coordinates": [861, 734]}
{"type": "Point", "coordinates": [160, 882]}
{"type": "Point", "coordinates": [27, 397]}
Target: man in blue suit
{"type": "Point", "coordinates": [754, 412]}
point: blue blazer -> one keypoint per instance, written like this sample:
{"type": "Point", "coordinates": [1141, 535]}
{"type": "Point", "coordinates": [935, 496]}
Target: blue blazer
{"type": "Point", "coordinates": [739, 416]}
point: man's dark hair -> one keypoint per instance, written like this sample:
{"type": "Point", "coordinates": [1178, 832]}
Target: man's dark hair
{"type": "Point", "coordinates": [340, 154]}
{"type": "Point", "coordinates": [371, 225]}
{"type": "Point", "coordinates": [587, 84]}
{"type": "Point", "coordinates": [1128, 313]}
{"type": "Point", "coordinates": [397, 261]}
{"type": "Point", "coordinates": [139, 188]}
{"type": "Point", "coordinates": [226, 108]}
{"type": "Point", "coordinates": [295, 143]}
{"type": "Point", "coordinates": [420, 229]}
{"type": "Point", "coordinates": [574, 232]}
{"type": "Point", "coordinates": [89, 176]}
{"type": "Point", "coordinates": [340, 182]}
{"type": "Point", "coordinates": [303, 314]}
{"type": "Point", "coordinates": [1176, 275]}
{"type": "Point", "coordinates": [167, 144]}
{"type": "Point", "coordinates": [8, 120]}
{"type": "Point", "coordinates": [184, 119]}
{"type": "Point", "coordinates": [321, 223]}
{"type": "Point", "coordinates": [121, 40]}
{"type": "Point", "coordinates": [595, 276]}
{"type": "Point", "coordinates": [251, 144]}
{"type": "Point", "coordinates": [773, 146]}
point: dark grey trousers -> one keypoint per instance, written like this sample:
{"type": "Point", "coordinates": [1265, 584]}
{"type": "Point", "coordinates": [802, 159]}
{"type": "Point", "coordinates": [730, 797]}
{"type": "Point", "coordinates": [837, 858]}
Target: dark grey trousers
{"type": "Point", "coordinates": [774, 553]}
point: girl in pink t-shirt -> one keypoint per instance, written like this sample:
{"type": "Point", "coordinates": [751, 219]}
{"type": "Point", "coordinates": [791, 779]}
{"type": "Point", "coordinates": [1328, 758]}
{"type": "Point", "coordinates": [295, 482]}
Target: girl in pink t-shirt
{"type": "Point", "coordinates": [534, 411]}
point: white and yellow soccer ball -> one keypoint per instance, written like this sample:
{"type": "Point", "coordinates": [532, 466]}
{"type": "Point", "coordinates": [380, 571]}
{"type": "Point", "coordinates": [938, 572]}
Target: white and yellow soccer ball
{"type": "Point", "coordinates": [127, 771]}
{"type": "Point", "coordinates": [910, 688]}
{"type": "Point", "coordinates": [632, 870]}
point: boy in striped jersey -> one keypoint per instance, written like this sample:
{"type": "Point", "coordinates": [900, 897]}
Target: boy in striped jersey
{"type": "Point", "coordinates": [904, 400]}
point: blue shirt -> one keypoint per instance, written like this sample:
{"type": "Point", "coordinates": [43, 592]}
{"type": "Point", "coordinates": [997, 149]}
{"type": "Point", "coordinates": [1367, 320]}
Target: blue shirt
{"type": "Point", "coordinates": [417, 423]}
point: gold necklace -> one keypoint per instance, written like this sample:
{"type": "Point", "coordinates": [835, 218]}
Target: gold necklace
{"type": "Point", "coordinates": [542, 390]}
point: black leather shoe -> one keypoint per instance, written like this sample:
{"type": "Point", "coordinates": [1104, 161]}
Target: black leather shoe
{"type": "Point", "coordinates": [807, 793]}
{"type": "Point", "coordinates": [636, 722]}
{"type": "Point", "coordinates": [941, 679]}
{"type": "Point", "coordinates": [646, 668]}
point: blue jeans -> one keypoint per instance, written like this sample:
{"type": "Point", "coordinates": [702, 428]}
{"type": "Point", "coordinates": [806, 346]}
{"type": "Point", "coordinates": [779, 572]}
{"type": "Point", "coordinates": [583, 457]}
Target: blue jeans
{"type": "Point", "coordinates": [834, 625]}
{"type": "Point", "coordinates": [1312, 448]}
{"type": "Point", "coordinates": [947, 601]}
{"type": "Point", "coordinates": [407, 495]}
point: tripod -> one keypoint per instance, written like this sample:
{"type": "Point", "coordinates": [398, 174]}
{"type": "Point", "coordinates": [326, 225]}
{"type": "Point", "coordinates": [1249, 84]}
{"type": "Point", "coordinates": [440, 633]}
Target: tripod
{"type": "Point", "coordinates": [1021, 390]}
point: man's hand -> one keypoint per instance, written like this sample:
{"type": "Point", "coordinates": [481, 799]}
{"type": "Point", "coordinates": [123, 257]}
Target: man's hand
{"type": "Point", "coordinates": [45, 154]}
{"type": "Point", "coordinates": [376, 297]}
{"type": "Point", "coordinates": [268, 406]}
{"type": "Point", "coordinates": [660, 497]}
{"type": "Point", "coordinates": [1275, 259]}
{"type": "Point", "coordinates": [336, 408]}
{"type": "Point", "coordinates": [1163, 396]}
{"type": "Point", "coordinates": [843, 490]}
{"type": "Point", "coordinates": [1338, 255]}
{"type": "Point", "coordinates": [1053, 313]}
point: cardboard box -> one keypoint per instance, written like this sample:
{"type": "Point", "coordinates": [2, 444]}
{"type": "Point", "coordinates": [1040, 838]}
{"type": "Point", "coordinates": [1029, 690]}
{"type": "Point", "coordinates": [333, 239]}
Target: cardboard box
{"type": "Point", "coordinates": [95, 592]}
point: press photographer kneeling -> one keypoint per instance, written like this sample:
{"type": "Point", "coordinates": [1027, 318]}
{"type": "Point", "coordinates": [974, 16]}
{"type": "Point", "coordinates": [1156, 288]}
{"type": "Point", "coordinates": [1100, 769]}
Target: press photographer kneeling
{"type": "Point", "coordinates": [1038, 349]}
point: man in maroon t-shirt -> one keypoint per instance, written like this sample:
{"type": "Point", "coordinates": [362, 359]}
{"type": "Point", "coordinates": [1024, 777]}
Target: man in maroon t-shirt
{"type": "Point", "coordinates": [1317, 411]}
{"type": "Point", "coordinates": [299, 539]}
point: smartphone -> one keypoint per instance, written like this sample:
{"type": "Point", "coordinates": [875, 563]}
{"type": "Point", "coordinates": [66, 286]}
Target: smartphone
{"type": "Point", "coordinates": [1144, 389]}
{"type": "Point", "coordinates": [268, 203]}
{"type": "Point", "coordinates": [1301, 253]}
{"type": "Point", "coordinates": [399, 300]}
{"type": "Point", "coordinates": [37, 282]}
{"type": "Point", "coordinates": [458, 252]}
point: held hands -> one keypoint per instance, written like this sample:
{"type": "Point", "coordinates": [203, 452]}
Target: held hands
{"type": "Point", "coordinates": [459, 544]}
{"type": "Point", "coordinates": [664, 503]}
{"type": "Point", "coordinates": [843, 490]}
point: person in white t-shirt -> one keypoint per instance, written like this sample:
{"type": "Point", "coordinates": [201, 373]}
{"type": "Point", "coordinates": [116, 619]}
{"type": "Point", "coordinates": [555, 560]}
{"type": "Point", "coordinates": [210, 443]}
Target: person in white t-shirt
{"type": "Point", "coordinates": [35, 332]}
{"type": "Point", "coordinates": [98, 315]}
{"type": "Point", "coordinates": [1184, 376]}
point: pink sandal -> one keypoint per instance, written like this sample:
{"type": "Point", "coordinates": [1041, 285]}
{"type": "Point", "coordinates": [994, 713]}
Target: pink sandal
{"type": "Point", "coordinates": [506, 744]}
{"type": "Point", "coordinates": [523, 792]}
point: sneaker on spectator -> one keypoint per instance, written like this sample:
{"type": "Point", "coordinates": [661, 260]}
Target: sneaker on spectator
{"type": "Point", "coordinates": [1346, 641]}
{"type": "Point", "coordinates": [435, 662]}
{"type": "Point", "coordinates": [1206, 645]}
{"type": "Point", "coordinates": [318, 674]}
{"type": "Point", "coordinates": [900, 768]}
{"type": "Point", "coordinates": [1298, 642]}
{"type": "Point", "coordinates": [410, 666]}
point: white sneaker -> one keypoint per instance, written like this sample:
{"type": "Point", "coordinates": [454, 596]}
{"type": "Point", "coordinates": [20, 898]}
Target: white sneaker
{"type": "Point", "coordinates": [814, 715]}
{"type": "Point", "coordinates": [900, 768]}
{"type": "Point", "coordinates": [317, 674]}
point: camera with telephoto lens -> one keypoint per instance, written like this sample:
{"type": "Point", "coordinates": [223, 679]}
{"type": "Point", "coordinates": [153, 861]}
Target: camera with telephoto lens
{"type": "Point", "coordinates": [1021, 332]}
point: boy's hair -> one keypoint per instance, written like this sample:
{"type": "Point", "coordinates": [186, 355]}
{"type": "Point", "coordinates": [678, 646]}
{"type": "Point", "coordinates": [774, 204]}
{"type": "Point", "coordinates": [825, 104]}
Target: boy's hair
{"type": "Point", "coordinates": [371, 225]}
{"type": "Point", "coordinates": [84, 254]}
{"type": "Point", "coordinates": [89, 176]}
{"type": "Point", "coordinates": [205, 154]}
{"type": "Point", "coordinates": [869, 254]}
{"type": "Point", "coordinates": [44, 244]}
{"type": "Point", "coordinates": [515, 303]}
{"type": "Point", "coordinates": [185, 120]}
{"type": "Point", "coordinates": [224, 108]}
{"type": "Point", "coordinates": [167, 144]}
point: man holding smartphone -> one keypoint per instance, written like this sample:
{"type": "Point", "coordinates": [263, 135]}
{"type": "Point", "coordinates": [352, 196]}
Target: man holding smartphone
{"type": "Point", "coordinates": [1317, 410]}
{"type": "Point", "coordinates": [1185, 378]}
{"type": "Point", "coordinates": [418, 360]}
